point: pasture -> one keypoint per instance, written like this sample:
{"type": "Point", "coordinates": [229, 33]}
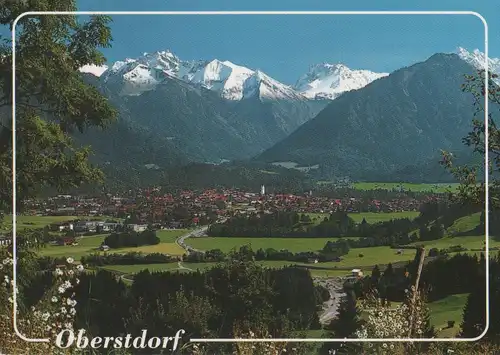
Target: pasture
{"type": "Point", "coordinates": [34, 222]}
{"type": "Point", "coordinates": [374, 217]}
{"type": "Point", "coordinates": [187, 267]}
{"type": "Point", "coordinates": [86, 246]}
{"type": "Point", "coordinates": [370, 217]}
{"type": "Point", "coordinates": [465, 225]}
{"type": "Point", "coordinates": [89, 245]}
{"type": "Point", "coordinates": [133, 269]}
{"type": "Point", "coordinates": [436, 188]}
{"type": "Point", "coordinates": [448, 308]}
{"type": "Point", "coordinates": [229, 243]}
{"type": "Point", "coordinates": [469, 242]}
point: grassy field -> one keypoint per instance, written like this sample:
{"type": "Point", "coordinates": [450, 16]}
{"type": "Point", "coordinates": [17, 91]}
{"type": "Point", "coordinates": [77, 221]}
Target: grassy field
{"type": "Point", "coordinates": [169, 236]}
{"type": "Point", "coordinates": [27, 222]}
{"type": "Point", "coordinates": [167, 244]}
{"type": "Point", "coordinates": [291, 244]}
{"type": "Point", "coordinates": [36, 222]}
{"type": "Point", "coordinates": [462, 232]}
{"type": "Point", "coordinates": [449, 308]}
{"type": "Point", "coordinates": [371, 256]}
{"type": "Point", "coordinates": [370, 217]}
{"type": "Point", "coordinates": [465, 225]}
{"type": "Point", "coordinates": [373, 217]}
{"type": "Point", "coordinates": [132, 269]}
{"type": "Point", "coordinates": [469, 242]}
{"type": "Point", "coordinates": [406, 186]}
{"type": "Point", "coordinates": [88, 245]}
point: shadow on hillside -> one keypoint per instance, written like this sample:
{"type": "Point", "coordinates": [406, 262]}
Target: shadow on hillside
{"type": "Point", "coordinates": [478, 230]}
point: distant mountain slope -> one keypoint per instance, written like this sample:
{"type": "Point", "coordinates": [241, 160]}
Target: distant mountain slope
{"type": "Point", "coordinates": [399, 120]}
{"type": "Point", "coordinates": [185, 104]}
{"type": "Point", "coordinates": [127, 144]}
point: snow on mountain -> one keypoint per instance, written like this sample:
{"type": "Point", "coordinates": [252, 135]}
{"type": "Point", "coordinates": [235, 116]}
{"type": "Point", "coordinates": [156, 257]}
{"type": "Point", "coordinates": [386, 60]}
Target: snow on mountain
{"type": "Point", "coordinates": [224, 77]}
{"type": "Point", "coordinates": [232, 81]}
{"type": "Point", "coordinates": [328, 81]}
{"type": "Point", "coordinates": [476, 58]}
{"type": "Point", "coordinates": [268, 88]}
{"type": "Point", "coordinates": [96, 70]}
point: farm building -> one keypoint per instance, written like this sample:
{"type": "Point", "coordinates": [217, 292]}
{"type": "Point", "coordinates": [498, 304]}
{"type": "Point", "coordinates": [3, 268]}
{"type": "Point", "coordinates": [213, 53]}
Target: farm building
{"type": "Point", "coordinates": [66, 241]}
{"type": "Point", "coordinates": [357, 273]}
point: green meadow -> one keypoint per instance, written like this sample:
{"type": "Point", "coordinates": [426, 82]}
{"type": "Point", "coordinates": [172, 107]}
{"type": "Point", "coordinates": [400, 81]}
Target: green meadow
{"type": "Point", "coordinates": [437, 188]}
{"type": "Point", "coordinates": [89, 245]}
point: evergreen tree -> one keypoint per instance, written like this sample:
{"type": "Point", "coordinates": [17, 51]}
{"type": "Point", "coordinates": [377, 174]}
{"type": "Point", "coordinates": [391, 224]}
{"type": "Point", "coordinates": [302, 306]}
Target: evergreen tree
{"type": "Point", "coordinates": [345, 325]}
{"type": "Point", "coordinates": [474, 315]}
{"type": "Point", "coordinates": [375, 277]}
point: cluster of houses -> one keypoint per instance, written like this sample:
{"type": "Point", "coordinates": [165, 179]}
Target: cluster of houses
{"type": "Point", "coordinates": [153, 206]}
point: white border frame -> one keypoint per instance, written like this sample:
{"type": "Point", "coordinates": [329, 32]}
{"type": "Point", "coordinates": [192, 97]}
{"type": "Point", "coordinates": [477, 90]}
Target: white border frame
{"type": "Point", "coordinates": [174, 13]}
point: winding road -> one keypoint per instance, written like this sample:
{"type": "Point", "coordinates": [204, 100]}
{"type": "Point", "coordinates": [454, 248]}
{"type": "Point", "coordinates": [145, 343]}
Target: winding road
{"type": "Point", "coordinates": [330, 307]}
{"type": "Point", "coordinates": [180, 241]}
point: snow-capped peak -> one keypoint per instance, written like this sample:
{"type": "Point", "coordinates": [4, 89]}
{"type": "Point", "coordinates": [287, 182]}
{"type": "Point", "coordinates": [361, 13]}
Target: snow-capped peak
{"type": "Point", "coordinates": [224, 77]}
{"type": "Point", "coordinates": [266, 87]}
{"type": "Point", "coordinates": [231, 81]}
{"type": "Point", "coordinates": [328, 81]}
{"type": "Point", "coordinates": [476, 58]}
{"type": "Point", "coordinates": [96, 70]}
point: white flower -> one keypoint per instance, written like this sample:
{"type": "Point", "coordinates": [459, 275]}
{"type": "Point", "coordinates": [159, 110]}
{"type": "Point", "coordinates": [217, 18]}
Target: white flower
{"type": "Point", "coordinates": [61, 289]}
{"type": "Point", "coordinates": [80, 267]}
{"type": "Point", "coordinates": [71, 302]}
{"type": "Point", "coordinates": [63, 310]}
{"type": "Point", "coordinates": [72, 311]}
{"type": "Point", "coordinates": [45, 316]}
{"type": "Point", "coordinates": [70, 260]}
{"type": "Point", "coordinates": [54, 299]}
{"type": "Point", "coordinates": [58, 272]}
{"type": "Point", "coordinates": [11, 300]}
{"type": "Point", "coordinates": [68, 325]}
{"type": "Point", "coordinates": [1, 266]}
{"type": "Point", "coordinates": [70, 272]}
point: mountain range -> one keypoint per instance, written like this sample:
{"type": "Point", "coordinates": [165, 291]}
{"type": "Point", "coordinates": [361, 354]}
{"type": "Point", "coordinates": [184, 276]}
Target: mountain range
{"type": "Point", "coordinates": [232, 81]}
{"type": "Point", "coordinates": [210, 110]}
{"type": "Point", "coordinates": [401, 120]}
{"type": "Point", "coordinates": [341, 121]}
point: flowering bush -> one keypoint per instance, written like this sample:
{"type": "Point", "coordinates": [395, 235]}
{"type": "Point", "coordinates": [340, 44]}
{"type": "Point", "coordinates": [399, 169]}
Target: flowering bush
{"type": "Point", "coordinates": [407, 320]}
{"type": "Point", "coordinates": [54, 313]}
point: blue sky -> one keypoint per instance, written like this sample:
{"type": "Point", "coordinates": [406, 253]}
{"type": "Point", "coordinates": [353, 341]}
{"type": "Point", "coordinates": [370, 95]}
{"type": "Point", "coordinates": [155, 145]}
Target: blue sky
{"type": "Point", "coordinates": [285, 46]}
